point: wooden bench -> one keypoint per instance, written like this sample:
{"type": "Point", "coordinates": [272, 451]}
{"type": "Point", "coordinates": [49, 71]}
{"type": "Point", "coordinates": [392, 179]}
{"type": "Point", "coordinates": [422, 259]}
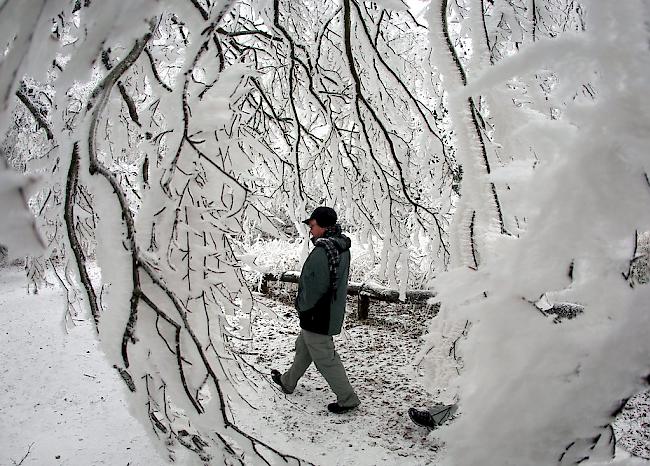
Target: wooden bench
{"type": "Point", "coordinates": [364, 291]}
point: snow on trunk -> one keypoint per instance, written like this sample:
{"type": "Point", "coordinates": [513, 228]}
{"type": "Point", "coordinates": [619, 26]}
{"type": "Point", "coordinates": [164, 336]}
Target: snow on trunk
{"type": "Point", "coordinates": [475, 213]}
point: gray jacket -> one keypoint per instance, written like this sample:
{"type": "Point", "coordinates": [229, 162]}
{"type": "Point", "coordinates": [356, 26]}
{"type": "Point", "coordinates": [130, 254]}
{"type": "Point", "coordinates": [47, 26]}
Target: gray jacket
{"type": "Point", "coordinates": [320, 310]}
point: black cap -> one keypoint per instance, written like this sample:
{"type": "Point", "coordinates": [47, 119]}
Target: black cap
{"type": "Point", "coordinates": [324, 216]}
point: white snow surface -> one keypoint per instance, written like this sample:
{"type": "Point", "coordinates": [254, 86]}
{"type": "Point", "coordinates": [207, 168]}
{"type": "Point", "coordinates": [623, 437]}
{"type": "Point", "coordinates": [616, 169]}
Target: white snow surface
{"type": "Point", "coordinates": [58, 395]}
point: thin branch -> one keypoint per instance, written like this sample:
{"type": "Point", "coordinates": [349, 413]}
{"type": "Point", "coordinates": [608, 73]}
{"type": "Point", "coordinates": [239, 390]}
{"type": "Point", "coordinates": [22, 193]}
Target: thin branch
{"type": "Point", "coordinates": [40, 120]}
{"type": "Point", "coordinates": [485, 32]}
{"type": "Point", "coordinates": [472, 240]}
{"type": "Point", "coordinates": [450, 45]}
{"type": "Point", "coordinates": [202, 11]}
{"type": "Point", "coordinates": [206, 363]}
{"type": "Point", "coordinates": [359, 95]}
{"type": "Point", "coordinates": [154, 70]}
{"type": "Point", "coordinates": [400, 82]}
{"type": "Point", "coordinates": [99, 99]}
{"type": "Point", "coordinates": [130, 105]}
{"type": "Point", "coordinates": [68, 214]}
{"type": "Point", "coordinates": [29, 449]}
{"type": "Point", "coordinates": [628, 275]}
{"type": "Point", "coordinates": [292, 49]}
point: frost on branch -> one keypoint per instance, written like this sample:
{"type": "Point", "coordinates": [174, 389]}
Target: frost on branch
{"type": "Point", "coordinates": [534, 388]}
{"type": "Point", "coordinates": [157, 204]}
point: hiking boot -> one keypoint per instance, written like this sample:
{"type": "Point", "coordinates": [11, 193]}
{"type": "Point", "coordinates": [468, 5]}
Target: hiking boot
{"type": "Point", "coordinates": [432, 417]}
{"type": "Point", "coordinates": [276, 377]}
{"type": "Point", "coordinates": [338, 409]}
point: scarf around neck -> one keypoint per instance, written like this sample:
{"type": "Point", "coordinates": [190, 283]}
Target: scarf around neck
{"type": "Point", "coordinates": [333, 254]}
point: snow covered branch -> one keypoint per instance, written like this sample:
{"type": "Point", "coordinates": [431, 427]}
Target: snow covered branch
{"type": "Point", "coordinates": [70, 194]}
{"type": "Point", "coordinates": [21, 93]}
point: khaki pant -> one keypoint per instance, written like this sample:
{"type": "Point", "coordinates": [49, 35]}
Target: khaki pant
{"type": "Point", "coordinates": [319, 349]}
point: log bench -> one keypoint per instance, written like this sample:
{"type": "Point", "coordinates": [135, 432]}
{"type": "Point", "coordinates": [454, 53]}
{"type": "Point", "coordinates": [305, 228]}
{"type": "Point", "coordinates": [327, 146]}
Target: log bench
{"type": "Point", "coordinates": [364, 291]}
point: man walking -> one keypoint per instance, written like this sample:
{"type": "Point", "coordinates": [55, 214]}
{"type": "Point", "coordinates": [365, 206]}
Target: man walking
{"type": "Point", "coordinates": [320, 302]}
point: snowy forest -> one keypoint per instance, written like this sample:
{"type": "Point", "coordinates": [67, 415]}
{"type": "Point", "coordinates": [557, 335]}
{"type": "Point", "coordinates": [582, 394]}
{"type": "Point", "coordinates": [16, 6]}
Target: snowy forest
{"type": "Point", "coordinates": [157, 158]}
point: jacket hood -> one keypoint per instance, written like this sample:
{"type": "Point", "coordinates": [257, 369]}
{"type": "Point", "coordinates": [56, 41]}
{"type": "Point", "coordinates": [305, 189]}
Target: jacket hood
{"type": "Point", "coordinates": [341, 242]}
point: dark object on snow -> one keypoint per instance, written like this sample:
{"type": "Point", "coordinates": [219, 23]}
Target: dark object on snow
{"type": "Point", "coordinates": [562, 311]}
{"type": "Point", "coordinates": [324, 216]}
{"type": "Point", "coordinates": [600, 448]}
{"type": "Point", "coordinates": [275, 375]}
{"type": "Point", "coordinates": [338, 409]}
{"type": "Point", "coordinates": [558, 311]}
{"type": "Point", "coordinates": [128, 380]}
{"type": "Point", "coordinates": [432, 417]}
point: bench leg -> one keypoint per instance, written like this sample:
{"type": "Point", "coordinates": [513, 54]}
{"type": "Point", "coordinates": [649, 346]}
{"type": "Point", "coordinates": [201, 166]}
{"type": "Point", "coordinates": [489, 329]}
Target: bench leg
{"type": "Point", "coordinates": [363, 306]}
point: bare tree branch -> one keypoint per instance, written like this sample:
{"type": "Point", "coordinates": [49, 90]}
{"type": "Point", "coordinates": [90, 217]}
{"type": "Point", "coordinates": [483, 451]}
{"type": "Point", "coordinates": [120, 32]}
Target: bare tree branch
{"type": "Point", "coordinates": [40, 119]}
{"type": "Point", "coordinates": [70, 192]}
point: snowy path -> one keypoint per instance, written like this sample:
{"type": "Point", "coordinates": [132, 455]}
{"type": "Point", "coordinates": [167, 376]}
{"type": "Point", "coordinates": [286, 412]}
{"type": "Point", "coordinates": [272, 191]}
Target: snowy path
{"type": "Point", "coordinates": [376, 354]}
{"type": "Point", "coordinates": [57, 393]}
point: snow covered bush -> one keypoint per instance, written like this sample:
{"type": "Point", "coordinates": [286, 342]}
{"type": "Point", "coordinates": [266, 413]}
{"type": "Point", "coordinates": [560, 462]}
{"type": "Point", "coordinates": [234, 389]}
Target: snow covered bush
{"type": "Point", "coordinates": [281, 255]}
{"type": "Point", "coordinates": [269, 256]}
{"type": "Point", "coordinates": [530, 390]}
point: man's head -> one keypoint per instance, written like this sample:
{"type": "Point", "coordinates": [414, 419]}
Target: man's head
{"type": "Point", "coordinates": [320, 219]}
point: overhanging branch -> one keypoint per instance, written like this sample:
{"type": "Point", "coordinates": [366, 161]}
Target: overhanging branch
{"type": "Point", "coordinates": [40, 120]}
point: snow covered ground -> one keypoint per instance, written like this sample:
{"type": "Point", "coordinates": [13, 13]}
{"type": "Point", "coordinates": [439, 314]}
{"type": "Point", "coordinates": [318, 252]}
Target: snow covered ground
{"type": "Point", "coordinates": [376, 355]}
{"type": "Point", "coordinates": [61, 404]}
{"type": "Point", "coordinates": [60, 401]}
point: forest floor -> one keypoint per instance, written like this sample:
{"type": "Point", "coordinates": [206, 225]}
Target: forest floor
{"type": "Point", "coordinates": [62, 404]}
{"type": "Point", "coordinates": [377, 354]}
{"type": "Point", "coordinates": [60, 401]}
